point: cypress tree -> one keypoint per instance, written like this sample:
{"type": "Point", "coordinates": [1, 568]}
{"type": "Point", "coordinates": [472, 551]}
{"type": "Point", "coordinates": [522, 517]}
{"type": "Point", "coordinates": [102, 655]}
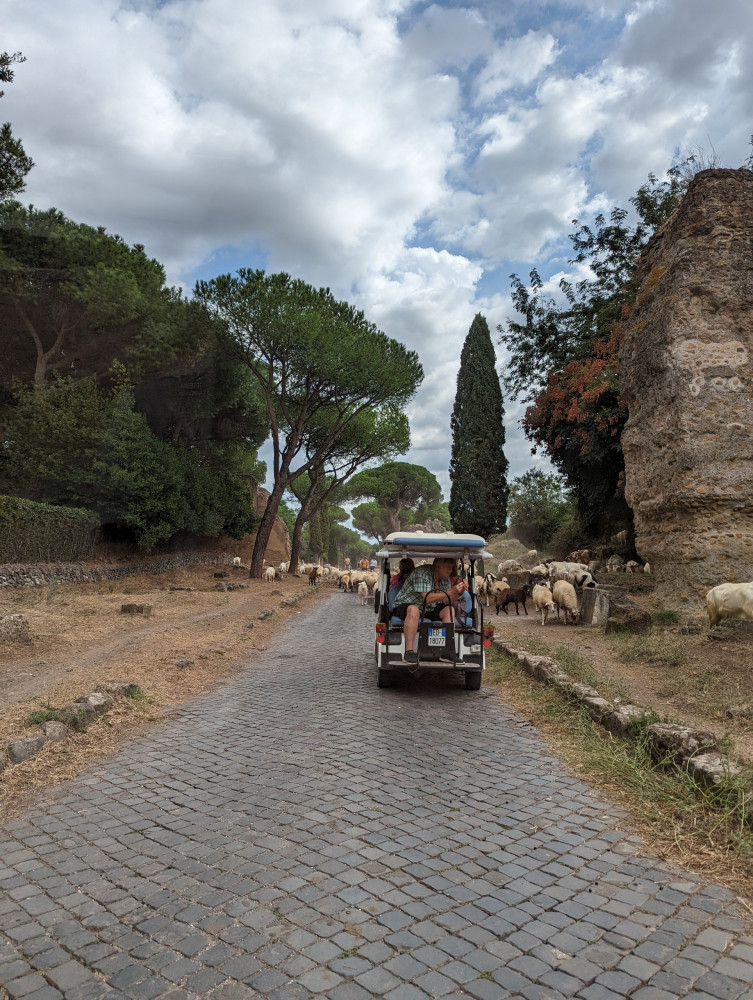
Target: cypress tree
{"type": "Point", "coordinates": [478, 467]}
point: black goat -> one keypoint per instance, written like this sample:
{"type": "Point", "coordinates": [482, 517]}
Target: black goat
{"type": "Point", "coordinates": [516, 597]}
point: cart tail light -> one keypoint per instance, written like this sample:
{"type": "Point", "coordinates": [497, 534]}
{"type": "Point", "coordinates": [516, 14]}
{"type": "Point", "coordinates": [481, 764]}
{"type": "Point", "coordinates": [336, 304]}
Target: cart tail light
{"type": "Point", "coordinates": [381, 630]}
{"type": "Point", "coordinates": [488, 634]}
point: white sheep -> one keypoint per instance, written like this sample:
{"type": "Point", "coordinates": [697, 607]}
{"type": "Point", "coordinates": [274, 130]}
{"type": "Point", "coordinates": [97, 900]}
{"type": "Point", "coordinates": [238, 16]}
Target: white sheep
{"type": "Point", "coordinates": [576, 573]}
{"type": "Point", "coordinates": [563, 595]}
{"type": "Point", "coordinates": [283, 568]}
{"type": "Point", "coordinates": [363, 592]}
{"type": "Point", "coordinates": [729, 600]}
{"type": "Point", "coordinates": [631, 566]}
{"type": "Point", "coordinates": [509, 566]}
{"type": "Point", "coordinates": [269, 574]}
{"type": "Point", "coordinates": [541, 569]}
{"type": "Point", "coordinates": [543, 601]}
{"type": "Point", "coordinates": [646, 567]}
{"type": "Point", "coordinates": [236, 560]}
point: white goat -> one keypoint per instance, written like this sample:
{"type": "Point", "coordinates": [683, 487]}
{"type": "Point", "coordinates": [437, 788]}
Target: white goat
{"type": "Point", "coordinates": [729, 600]}
{"type": "Point", "coordinates": [269, 574]}
{"type": "Point", "coordinates": [236, 560]}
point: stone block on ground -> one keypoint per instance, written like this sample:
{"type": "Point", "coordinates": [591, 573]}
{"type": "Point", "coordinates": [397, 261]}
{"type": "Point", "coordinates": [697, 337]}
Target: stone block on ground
{"type": "Point", "coordinates": [680, 742]}
{"type": "Point", "coordinates": [25, 747]}
{"type": "Point", "coordinates": [136, 609]}
{"type": "Point", "coordinates": [627, 618]}
{"type": "Point", "coordinates": [122, 689]}
{"type": "Point", "coordinates": [623, 719]}
{"type": "Point", "coordinates": [55, 731]}
{"type": "Point", "coordinates": [712, 768]}
{"type": "Point", "coordinates": [594, 607]}
{"type": "Point", "coordinates": [14, 628]}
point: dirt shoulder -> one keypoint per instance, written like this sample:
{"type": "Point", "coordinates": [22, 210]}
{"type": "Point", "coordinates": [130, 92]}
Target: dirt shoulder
{"type": "Point", "coordinates": [194, 636]}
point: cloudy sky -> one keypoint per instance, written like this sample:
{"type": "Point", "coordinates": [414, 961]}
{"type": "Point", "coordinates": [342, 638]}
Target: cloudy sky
{"type": "Point", "coordinates": [408, 154]}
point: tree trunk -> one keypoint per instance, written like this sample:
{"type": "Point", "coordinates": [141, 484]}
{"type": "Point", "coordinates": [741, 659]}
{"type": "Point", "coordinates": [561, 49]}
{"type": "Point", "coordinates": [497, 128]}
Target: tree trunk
{"type": "Point", "coordinates": [295, 547]}
{"type": "Point", "coordinates": [265, 530]}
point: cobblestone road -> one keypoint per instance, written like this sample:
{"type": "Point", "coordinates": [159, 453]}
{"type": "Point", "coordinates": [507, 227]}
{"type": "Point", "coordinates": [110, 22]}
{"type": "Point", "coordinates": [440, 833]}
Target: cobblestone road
{"type": "Point", "coordinates": [300, 833]}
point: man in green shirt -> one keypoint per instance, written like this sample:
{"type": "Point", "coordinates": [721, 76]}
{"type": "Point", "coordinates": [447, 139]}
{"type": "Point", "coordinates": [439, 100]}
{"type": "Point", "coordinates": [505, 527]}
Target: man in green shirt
{"type": "Point", "coordinates": [429, 587]}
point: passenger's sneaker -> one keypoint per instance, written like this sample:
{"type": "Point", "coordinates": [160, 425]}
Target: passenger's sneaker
{"type": "Point", "coordinates": [450, 656]}
{"type": "Point", "coordinates": [411, 658]}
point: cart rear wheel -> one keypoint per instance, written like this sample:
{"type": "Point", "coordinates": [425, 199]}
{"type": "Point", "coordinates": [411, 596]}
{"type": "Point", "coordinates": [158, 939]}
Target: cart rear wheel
{"type": "Point", "coordinates": [473, 680]}
{"type": "Point", "coordinates": [385, 679]}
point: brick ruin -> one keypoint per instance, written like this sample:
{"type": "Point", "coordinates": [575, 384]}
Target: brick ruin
{"type": "Point", "coordinates": [687, 377]}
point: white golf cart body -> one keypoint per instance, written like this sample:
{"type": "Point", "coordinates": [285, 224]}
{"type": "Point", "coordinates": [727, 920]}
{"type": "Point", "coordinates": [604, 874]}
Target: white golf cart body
{"type": "Point", "coordinates": [467, 637]}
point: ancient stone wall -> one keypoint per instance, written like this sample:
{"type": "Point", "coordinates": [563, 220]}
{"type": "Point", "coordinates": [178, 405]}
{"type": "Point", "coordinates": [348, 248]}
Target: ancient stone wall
{"type": "Point", "coordinates": [687, 378]}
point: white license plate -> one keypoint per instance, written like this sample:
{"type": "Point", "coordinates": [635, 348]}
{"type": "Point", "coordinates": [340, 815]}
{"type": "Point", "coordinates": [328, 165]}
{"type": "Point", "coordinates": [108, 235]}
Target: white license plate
{"type": "Point", "coordinates": [437, 636]}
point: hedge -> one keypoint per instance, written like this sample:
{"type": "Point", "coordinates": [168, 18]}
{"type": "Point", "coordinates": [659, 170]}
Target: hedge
{"type": "Point", "coordinates": [41, 532]}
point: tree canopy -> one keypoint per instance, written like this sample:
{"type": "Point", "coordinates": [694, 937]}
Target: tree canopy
{"type": "Point", "coordinates": [538, 506]}
{"type": "Point", "coordinates": [397, 489]}
{"type": "Point", "coordinates": [310, 354]}
{"type": "Point", "coordinates": [74, 297]}
{"type": "Point", "coordinates": [14, 163]}
{"type": "Point", "coordinates": [478, 467]}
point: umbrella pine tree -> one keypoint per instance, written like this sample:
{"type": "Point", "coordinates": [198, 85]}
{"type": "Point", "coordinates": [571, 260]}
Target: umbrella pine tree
{"type": "Point", "coordinates": [478, 467]}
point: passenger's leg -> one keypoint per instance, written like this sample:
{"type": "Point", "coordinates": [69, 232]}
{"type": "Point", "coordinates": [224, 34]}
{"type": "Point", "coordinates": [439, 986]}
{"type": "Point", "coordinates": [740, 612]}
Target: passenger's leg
{"type": "Point", "coordinates": [410, 627]}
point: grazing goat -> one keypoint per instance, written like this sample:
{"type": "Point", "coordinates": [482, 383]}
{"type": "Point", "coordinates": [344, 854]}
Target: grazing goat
{"type": "Point", "coordinates": [564, 596]}
{"type": "Point", "coordinates": [363, 592]}
{"type": "Point", "coordinates": [729, 600]}
{"type": "Point", "coordinates": [510, 596]}
{"type": "Point", "coordinates": [543, 601]}
{"type": "Point", "coordinates": [269, 574]}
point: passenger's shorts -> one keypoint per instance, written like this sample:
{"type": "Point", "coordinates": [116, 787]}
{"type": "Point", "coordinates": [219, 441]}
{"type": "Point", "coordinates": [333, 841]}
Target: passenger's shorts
{"type": "Point", "coordinates": [401, 610]}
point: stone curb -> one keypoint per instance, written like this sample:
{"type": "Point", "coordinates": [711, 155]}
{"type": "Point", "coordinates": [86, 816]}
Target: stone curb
{"type": "Point", "coordinates": [86, 708]}
{"type": "Point", "coordinates": [694, 749]}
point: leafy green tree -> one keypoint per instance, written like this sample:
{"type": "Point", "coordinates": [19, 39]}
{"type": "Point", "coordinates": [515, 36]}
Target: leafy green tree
{"type": "Point", "coordinates": [343, 542]}
{"type": "Point", "coordinates": [373, 520]}
{"type": "Point", "coordinates": [538, 506]}
{"type": "Point", "coordinates": [310, 354]}
{"type": "Point", "coordinates": [398, 488]}
{"type": "Point", "coordinates": [73, 298]}
{"type": "Point", "coordinates": [478, 467]}
{"type": "Point", "coordinates": [563, 355]}
{"type": "Point", "coordinates": [371, 436]}
{"type": "Point", "coordinates": [14, 163]}
{"type": "Point", "coordinates": [73, 444]}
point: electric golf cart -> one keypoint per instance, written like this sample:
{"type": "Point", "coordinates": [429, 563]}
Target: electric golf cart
{"type": "Point", "coordinates": [467, 636]}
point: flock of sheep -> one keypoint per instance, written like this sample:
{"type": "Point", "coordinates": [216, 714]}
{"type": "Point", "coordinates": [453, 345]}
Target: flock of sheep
{"type": "Point", "coordinates": [554, 587]}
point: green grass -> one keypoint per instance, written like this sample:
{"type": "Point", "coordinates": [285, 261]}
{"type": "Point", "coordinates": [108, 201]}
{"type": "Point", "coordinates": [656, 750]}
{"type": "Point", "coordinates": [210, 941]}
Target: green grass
{"type": "Point", "coordinates": [38, 716]}
{"type": "Point", "coordinates": [665, 616]}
